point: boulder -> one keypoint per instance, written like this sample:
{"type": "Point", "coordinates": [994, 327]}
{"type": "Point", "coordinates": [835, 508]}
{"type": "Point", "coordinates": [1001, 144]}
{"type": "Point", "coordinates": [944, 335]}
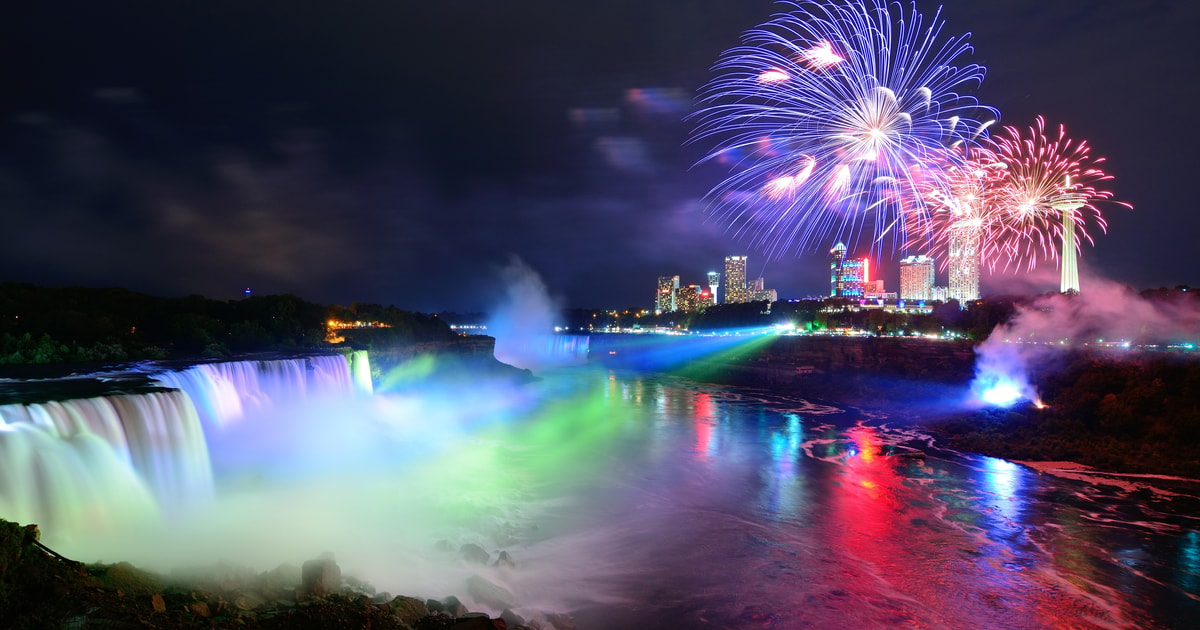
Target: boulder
{"type": "Point", "coordinates": [408, 609]}
{"type": "Point", "coordinates": [453, 607]}
{"type": "Point", "coordinates": [320, 577]}
{"type": "Point", "coordinates": [511, 618]}
{"type": "Point", "coordinates": [489, 593]}
{"type": "Point", "coordinates": [474, 553]}
{"type": "Point", "coordinates": [505, 560]}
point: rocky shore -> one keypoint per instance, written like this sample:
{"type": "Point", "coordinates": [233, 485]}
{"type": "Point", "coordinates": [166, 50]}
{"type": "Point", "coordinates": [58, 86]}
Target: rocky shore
{"type": "Point", "coordinates": [40, 589]}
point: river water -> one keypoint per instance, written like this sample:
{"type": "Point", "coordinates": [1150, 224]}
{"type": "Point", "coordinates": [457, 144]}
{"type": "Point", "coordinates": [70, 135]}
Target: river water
{"type": "Point", "coordinates": [648, 501]}
{"type": "Point", "coordinates": [681, 505]}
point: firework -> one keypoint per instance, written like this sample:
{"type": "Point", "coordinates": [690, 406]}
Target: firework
{"type": "Point", "coordinates": [829, 116]}
{"type": "Point", "coordinates": [1049, 191]}
{"type": "Point", "coordinates": [1017, 195]}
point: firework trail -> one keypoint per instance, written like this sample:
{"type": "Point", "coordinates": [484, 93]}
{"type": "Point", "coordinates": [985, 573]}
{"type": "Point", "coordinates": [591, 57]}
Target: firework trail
{"type": "Point", "coordinates": [1016, 193]}
{"type": "Point", "coordinates": [828, 117]}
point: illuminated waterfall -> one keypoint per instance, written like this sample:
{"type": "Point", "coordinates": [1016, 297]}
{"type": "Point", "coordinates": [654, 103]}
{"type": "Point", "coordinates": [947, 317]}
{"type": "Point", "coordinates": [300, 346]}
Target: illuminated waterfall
{"type": "Point", "coordinates": [225, 392]}
{"type": "Point", "coordinates": [84, 464]}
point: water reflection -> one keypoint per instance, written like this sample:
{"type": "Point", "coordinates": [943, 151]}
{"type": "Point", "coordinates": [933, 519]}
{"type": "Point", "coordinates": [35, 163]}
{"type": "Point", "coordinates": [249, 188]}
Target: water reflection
{"type": "Point", "coordinates": [722, 508]}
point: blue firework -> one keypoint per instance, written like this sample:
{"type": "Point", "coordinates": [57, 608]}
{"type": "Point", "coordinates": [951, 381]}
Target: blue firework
{"type": "Point", "coordinates": [829, 117]}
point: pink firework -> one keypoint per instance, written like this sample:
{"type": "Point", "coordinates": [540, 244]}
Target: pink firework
{"type": "Point", "coordinates": [1013, 198]}
{"type": "Point", "coordinates": [1050, 184]}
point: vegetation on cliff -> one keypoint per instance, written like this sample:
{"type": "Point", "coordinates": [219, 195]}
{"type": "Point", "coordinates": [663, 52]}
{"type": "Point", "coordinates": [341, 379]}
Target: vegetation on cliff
{"type": "Point", "coordinates": [41, 325]}
{"type": "Point", "coordinates": [1119, 412]}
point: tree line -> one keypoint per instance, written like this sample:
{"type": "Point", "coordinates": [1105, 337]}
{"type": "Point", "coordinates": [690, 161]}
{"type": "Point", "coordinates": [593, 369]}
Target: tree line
{"type": "Point", "coordinates": [43, 325]}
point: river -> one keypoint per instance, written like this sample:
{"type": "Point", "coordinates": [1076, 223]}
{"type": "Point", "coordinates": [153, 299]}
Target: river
{"type": "Point", "coordinates": [643, 501]}
{"type": "Point", "coordinates": [695, 506]}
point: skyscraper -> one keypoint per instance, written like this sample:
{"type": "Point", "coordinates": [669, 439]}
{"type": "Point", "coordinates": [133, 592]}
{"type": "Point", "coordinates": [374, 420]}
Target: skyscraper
{"type": "Point", "coordinates": [964, 265]}
{"type": "Point", "coordinates": [689, 298]}
{"type": "Point", "coordinates": [736, 291]}
{"type": "Point", "coordinates": [664, 299]}
{"type": "Point", "coordinates": [916, 278]}
{"type": "Point", "coordinates": [848, 277]}
{"type": "Point", "coordinates": [714, 280]}
{"type": "Point", "coordinates": [835, 270]}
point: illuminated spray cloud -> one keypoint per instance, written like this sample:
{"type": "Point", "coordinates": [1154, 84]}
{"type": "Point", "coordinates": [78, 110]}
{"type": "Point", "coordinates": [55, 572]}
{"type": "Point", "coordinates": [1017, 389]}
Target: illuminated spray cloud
{"type": "Point", "coordinates": [1107, 314]}
{"type": "Point", "coordinates": [828, 117]}
{"type": "Point", "coordinates": [523, 323]}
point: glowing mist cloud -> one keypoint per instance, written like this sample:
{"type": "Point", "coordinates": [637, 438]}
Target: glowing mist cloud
{"type": "Point", "coordinates": [830, 116]}
{"type": "Point", "coordinates": [1001, 376]}
{"type": "Point", "coordinates": [523, 323]}
{"type": "Point", "coordinates": [1106, 312]}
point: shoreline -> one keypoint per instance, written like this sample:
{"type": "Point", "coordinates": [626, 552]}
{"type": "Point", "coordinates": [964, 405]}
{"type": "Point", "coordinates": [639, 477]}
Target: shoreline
{"type": "Point", "coordinates": [40, 588]}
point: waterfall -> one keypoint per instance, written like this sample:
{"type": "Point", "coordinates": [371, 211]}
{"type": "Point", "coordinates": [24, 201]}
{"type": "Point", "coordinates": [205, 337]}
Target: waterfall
{"type": "Point", "coordinates": [225, 392]}
{"type": "Point", "coordinates": [570, 349]}
{"type": "Point", "coordinates": [91, 462]}
{"type": "Point", "coordinates": [82, 464]}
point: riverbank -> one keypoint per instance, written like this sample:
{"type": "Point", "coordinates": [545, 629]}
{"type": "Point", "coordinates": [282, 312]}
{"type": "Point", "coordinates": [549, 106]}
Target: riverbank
{"type": "Point", "coordinates": [40, 589]}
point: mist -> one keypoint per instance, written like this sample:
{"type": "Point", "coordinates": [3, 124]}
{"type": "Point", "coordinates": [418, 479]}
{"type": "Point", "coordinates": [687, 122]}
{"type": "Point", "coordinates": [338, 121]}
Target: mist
{"type": "Point", "coordinates": [523, 322]}
{"type": "Point", "coordinates": [1104, 314]}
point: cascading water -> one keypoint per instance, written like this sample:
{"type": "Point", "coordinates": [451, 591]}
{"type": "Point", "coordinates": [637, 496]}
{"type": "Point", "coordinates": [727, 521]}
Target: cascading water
{"type": "Point", "coordinates": [74, 465]}
{"type": "Point", "coordinates": [81, 465]}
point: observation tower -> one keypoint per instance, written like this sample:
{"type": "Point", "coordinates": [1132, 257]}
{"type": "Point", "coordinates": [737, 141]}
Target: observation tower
{"type": "Point", "coordinates": [1068, 203]}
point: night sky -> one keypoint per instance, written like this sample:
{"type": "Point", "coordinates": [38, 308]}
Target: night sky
{"type": "Point", "coordinates": [403, 153]}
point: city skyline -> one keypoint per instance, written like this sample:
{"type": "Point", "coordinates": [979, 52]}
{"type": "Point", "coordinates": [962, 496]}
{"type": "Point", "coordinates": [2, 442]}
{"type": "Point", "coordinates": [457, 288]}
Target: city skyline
{"type": "Point", "coordinates": [329, 153]}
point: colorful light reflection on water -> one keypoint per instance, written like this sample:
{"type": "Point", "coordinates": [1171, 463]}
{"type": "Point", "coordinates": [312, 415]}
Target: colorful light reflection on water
{"type": "Point", "coordinates": [739, 510]}
{"type": "Point", "coordinates": [655, 502]}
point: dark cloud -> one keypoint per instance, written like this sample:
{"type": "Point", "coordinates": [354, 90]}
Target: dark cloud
{"type": "Point", "coordinates": [400, 153]}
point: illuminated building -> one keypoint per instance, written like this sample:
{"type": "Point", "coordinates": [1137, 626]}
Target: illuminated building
{"type": "Point", "coordinates": [714, 280]}
{"type": "Point", "coordinates": [664, 300]}
{"type": "Point", "coordinates": [1070, 270]}
{"type": "Point", "coordinates": [835, 269]}
{"type": "Point", "coordinates": [848, 277]}
{"type": "Point", "coordinates": [736, 291]}
{"type": "Point", "coordinates": [874, 290]}
{"type": "Point", "coordinates": [759, 294]}
{"type": "Point", "coordinates": [692, 298]}
{"type": "Point", "coordinates": [964, 265]}
{"type": "Point", "coordinates": [916, 278]}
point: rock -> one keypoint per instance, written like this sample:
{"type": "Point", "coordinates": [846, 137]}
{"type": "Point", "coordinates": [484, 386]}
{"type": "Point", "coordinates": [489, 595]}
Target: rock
{"type": "Point", "coordinates": [489, 593]}
{"type": "Point", "coordinates": [408, 609]}
{"type": "Point", "coordinates": [125, 578]}
{"type": "Point", "coordinates": [435, 606]}
{"type": "Point", "coordinates": [157, 602]}
{"type": "Point", "coordinates": [511, 618]}
{"type": "Point", "coordinates": [453, 607]}
{"type": "Point", "coordinates": [200, 609]}
{"type": "Point", "coordinates": [505, 560]}
{"type": "Point", "coordinates": [320, 577]}
{"type": "Point", "coordinates": [474, 553]}
{"type": "Point", "coordinates": [249, 601]}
